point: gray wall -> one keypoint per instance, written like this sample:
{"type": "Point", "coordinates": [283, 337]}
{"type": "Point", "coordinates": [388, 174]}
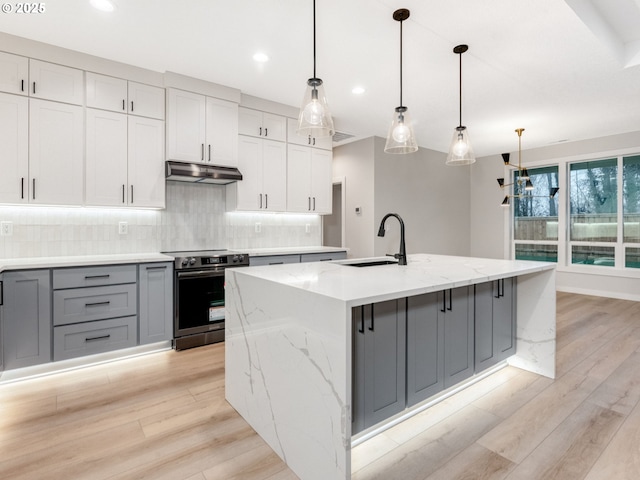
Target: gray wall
{"type": "Point", "coordinates": [432, 199]}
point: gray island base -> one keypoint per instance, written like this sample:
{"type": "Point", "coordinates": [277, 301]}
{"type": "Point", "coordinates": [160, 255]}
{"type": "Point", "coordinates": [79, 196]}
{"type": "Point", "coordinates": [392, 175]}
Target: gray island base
{"type": "Point", "coordinates": [298, 369]}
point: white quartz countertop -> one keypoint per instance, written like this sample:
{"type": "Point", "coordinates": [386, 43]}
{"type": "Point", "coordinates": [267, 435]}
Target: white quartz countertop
{"type": "Point", "coordinates": [424, 273]}
{"type": "Point", "coordinates": [80, 260]}
{"type": "Point", "coordinates": [262, 252]}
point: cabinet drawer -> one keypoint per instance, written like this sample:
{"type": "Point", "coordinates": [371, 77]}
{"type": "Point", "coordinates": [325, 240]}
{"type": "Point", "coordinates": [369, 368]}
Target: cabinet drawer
{"type": "Point", "coordinates": [94, 303]}
{"type": "Point", "coordinates": [93, 276]}
{"type": "Point", "coordinates": [273, 260]}
{"type": "Point", "coordinates": [322, 257]}
{"type": "Point", "coordinates": [71, 341]}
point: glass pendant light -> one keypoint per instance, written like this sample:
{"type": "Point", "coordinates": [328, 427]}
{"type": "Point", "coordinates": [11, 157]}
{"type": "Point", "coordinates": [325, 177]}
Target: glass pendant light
{"type": "Point", "coordinates": [401, 138]}
{"type": "Point", "coordinates": [460, 151]}
{"type": "Point", "coordinates": [315, 118]}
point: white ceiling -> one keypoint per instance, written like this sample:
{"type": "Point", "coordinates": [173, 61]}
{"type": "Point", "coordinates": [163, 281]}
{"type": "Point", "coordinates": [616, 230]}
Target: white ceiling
{"type": "Point", "coordinates": [563, 70]}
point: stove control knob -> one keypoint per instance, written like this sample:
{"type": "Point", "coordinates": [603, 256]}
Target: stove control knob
{"type": "Point", "coordinates": [192, 261]}
{"type": "Point", "coordinates": [184, 262]}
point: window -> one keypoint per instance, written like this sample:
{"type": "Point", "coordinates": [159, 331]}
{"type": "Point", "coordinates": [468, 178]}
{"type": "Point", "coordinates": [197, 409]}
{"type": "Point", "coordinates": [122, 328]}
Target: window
{"type": "Point", "coordinates": [593, 211]}
{"type": "Point", "coordinates": [536, 217]}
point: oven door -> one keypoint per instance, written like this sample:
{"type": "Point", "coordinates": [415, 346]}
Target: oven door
{"type": "Point", "coordinates": [199, 300]}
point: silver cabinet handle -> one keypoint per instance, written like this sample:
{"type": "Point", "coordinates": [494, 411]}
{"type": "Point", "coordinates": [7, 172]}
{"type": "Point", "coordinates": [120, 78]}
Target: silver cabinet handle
{"type": "Point", "coordinates": [314, 204]}
{"type": "Point", "coordinates": [266, 200]}
{"type": "Point", "coordinates": [131, 193]}
{"type": "Point", "coordinates": [309, 208]}
{"type": "Point", "coordinates": [97, 304]}
{"type": "Point", "coordinates": [123, 188]}
{"type": "Point", "coordinates": [93, 277]}
{"type": "Point", "coordinates": [202, 152]}
{"type": "Point", "coordinates": [260, 200]}
{"type": "Point", "coordinates": [209, 152]}
{"type": "Point", "coordinates": [34, 188]}
{"type": "Point", "coordinates": [162, 267]}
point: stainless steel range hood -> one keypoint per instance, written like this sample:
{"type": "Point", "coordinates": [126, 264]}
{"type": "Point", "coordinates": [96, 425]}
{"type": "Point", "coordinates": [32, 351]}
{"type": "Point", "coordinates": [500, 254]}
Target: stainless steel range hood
{"type": "Point", "coordinates": [197, 173]}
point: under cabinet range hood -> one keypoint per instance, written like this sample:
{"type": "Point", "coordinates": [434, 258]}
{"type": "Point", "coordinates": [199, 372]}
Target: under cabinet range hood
{"type": "Point", "coordinates": [197, 173]}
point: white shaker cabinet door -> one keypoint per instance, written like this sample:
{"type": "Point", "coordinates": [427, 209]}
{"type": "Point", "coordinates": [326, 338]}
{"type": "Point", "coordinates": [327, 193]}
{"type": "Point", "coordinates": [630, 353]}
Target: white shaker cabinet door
{"type": "Point", "coordinates": [185, 126]}
{"type": "Point", "coordinates": [146, 100]}
{"type": "Point", "coordinates": [14, 74]}
{"type": "Point", "coordinates": [14, 154]}
{"type": "Point", "coordinates": [106, 160]}
{"type": "Point", "coordinates": [249, 190]}
{"type": "Point", "coordinates": [56, 82]}
{"type": "Point", "coordinates": [321, 181]}
{"type": "Point", "coordinates": [56, 157]}
{"type": "Point", "coordinates": [274, 175]}
{"type": "Point", "coordinates": [146, 163]}
{"type": "Point", "coordinates": [222, 132]}
{"type": "Point", "coordinates": [298, 179]}
{"type": "Point", "coordinates": [107, 93]}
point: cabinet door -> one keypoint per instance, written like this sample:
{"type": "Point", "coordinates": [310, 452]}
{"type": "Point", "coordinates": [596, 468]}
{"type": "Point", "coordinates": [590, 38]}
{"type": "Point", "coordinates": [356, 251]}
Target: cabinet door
{"type": "Point", "coordinates": [274, 127]}
{"type": "Point", "coordinates": [249, 190]}
{"type": "Point", "coordinates": [27, 318]}
{"type": "Point", "coordinates": [106, 160]}
{"type": "Point", "coordinates": [106, 93]}
{"type": "Point", "coordinates": [293, 138]}
{"type": "Point", "coordinates": [357, 370]}
{"type": "Point", "coordinates": [146, 162]}
{"type": "Point", "coordinates": [321, 181]}
{"type": "Point", "coordinates": [222, 132]}
{"type": "Point", "coordinates": [55, 82]}
{"type": "Point", "coordinates": [14, 74]}
{"type": "Point", "coordinates": [156, 302]}
{"type": "Point", "coordinates": [56, 159]}
{"type": "Point", "coordinates": [385, 357]}
{"type": "Point", "coordinates": [456, 307]}
{"type": "Point", "coordinates": [185, 126]}
{"type": "Point", "coordinates": [145, 100]}
{"type": "Point", "coordinates": [14, 154]}
{"type": "Point", "coordinates": [249, 122]}
{"type": "Point", "coordinates": [425, 348]}
{"type": "Point", "coordinates": [274, 176]}
{"type": "Point", "coordinates": [504, 317]}
{"type": "Point", "coordinates": [298, 179]}
{"type": "Point", "coordinates": [485, 348]}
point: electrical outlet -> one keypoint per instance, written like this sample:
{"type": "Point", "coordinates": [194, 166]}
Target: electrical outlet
{"type": "Point", "coordinates": [307, 228]}
{"type": "Point", "coordinates": [258, 227]}
{"type": "Point", "coordinates": [6, 229]}
{"type": "Point", "coordinates": [123, 228]}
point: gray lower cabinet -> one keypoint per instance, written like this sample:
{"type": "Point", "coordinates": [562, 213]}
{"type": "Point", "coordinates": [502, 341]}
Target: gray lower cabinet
{"type": "Point", "coordinates": [379, 338]}
{"type": "Point", "coordinates": [26, 314]}
{"type": "Point", "coordinates": [95, 310]}
{"type": "Point", "coordinates": [495, 322]}
{"type": "Point", "coordinates": [87, 338]}
{"type": "Point", "coordinates": [156, 302]}
{"type": "Point", "coordinates": [457, 309]}
{"type": "Point", "coordinates": [425, 347]}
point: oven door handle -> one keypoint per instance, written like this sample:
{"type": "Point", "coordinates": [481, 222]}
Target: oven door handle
{"type": "Point", "coordinates": [201, 273]}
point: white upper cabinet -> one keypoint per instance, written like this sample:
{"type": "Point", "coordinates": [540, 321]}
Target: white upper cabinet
{"type": "Point", "coordinates": [201, 129]}
{"type": "Point", "coordinates": [14, 74]}
{"type": "Point", "coordinates": [325, 143]}
{"type": "Point", "coordinates": [263, 164]}
{"type": "Point", "coordinates": [55, 82]}
{"type": "Point", "coordinates": [106, 159]}
{"type": "Point", "coordinates": [14, 154]}
{"type": "Point", "coordinates": [145, 170]}
{"type": "Point", "coordinates": [56, 159]}
{"type": "Point", "coordinates": [145, 100]}
{"type": "Point", "coordinates": [106, 93]}
{"type": "Point", "coordinates": [262, 124]}
{"type": "Point", "coordinates": [309, 180]}
{"type": "Point", "coordinates": [118, 95]}
{"type": "Point", "coordinates": [222, 132]}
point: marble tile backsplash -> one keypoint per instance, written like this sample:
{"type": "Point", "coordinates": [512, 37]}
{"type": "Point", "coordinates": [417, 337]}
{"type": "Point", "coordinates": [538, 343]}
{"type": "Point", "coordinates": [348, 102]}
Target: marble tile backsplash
{"type": "Point", "coordinates": [195, 218]}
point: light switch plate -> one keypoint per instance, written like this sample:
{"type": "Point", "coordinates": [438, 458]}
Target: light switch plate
{"type": "Point", "coordinates": [123, 228]}
{"type": "Point", "coordinates": [6, 229]}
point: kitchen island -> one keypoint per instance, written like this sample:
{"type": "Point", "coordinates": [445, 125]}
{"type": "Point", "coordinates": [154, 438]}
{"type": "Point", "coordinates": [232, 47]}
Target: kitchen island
{"type": "Point", "coordinates": [289, 342]}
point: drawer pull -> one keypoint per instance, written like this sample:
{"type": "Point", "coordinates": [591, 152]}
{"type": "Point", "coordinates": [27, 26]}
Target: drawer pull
{"type": "Point", "coordinates": [101, 337]}
{"type": "Point", "coordinates": [93, 277]}
{"type": "Point", "coordinates": [164, 267]}
{"type": "Point", "coordinates": [97, 304]}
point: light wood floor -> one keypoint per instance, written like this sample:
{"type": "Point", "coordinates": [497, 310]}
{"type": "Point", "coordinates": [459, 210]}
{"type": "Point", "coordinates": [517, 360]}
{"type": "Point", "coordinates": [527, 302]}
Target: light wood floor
{"type": "Point", "coordinates": [163, 416]}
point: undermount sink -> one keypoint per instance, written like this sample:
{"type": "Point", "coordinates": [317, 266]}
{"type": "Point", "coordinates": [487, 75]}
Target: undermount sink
{"type": "Point", "coordinates": [371, 263]}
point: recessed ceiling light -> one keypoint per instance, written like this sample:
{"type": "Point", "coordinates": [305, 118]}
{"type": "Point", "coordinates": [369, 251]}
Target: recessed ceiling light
{"type": "Point", "coordinates": [358, 90]}
{"type": "Point", "coordinates": [103, 5]}
{"type": "Point", "coordinates": [261, 57]}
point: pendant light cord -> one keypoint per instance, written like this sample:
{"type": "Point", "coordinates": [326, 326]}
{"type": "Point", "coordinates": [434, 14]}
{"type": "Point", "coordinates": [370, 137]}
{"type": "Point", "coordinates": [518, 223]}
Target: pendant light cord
{"type": "Point", "coordinates": [314, 38]}
{"type": "Point", "coordinates": [460, 123]}
{"type": "Point", "coordinates": [400, 63]}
